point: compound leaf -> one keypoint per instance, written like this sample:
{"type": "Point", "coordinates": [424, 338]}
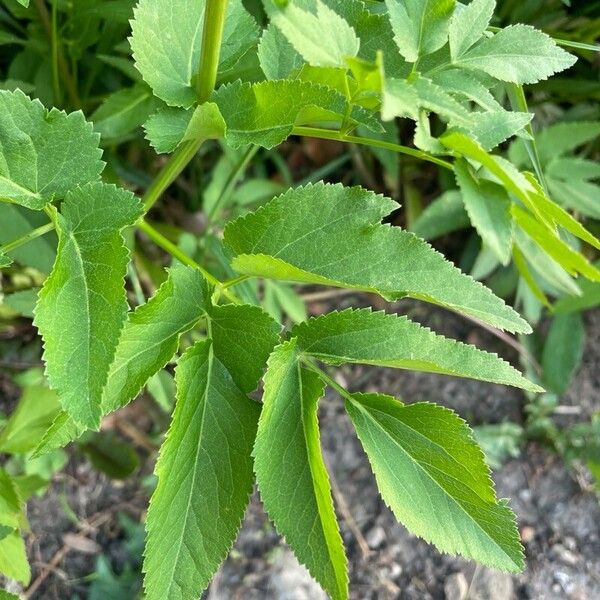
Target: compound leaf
{"type": "Point", "coordinates": [433, 476]}
{"type": "Point", "coordinates": [43, 153]}
{"type": "Point", "coordinates": [332, 235]}
{"type": "Point", "coordinates": [204, 478]}
{"type": "Point", "coordinates": [420, 26]}
{"type": "Point", "coordinates": [169, 62]}
{"type": "Point", "coordinates": [82, 306]}
{"type": "Point", "coordinates": [517, 54]}
{"type": "Point", "coordinates": [290, 471]}
{"type": "Point", "coordinates": [149, 340]}
{"type": "Point", "coordinates": [361, 336]}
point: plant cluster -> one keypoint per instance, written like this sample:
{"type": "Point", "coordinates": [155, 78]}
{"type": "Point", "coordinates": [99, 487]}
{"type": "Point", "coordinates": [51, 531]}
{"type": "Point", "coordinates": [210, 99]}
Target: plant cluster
{"type": "Point", "coordinates": [249, 76]}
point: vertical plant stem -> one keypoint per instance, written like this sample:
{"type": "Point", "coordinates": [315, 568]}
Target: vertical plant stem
{"type": "Point", "coordinates": [54, 44]}
{"type": "Point", "coordinates": [212, 34]}
{"type": "Point", "coordinates": [61, 62]}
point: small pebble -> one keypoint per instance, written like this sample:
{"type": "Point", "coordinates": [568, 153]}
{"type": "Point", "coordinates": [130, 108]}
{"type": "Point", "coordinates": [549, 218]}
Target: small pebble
{"type": "Point", "coordinates": [456, 587]}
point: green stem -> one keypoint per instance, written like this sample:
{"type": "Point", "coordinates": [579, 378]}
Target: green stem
{"type": "Point", "coordinates": [160, 240]}
{"type": "Point", "coordinates": [325, 378]}
{"type": "Point", "coordinates": [234, 177]}
{"type": "Point", "coordinates": [212, 34]}
{"type": "Point", "coordinates": [178, 161]}
{"type": "Point", "coordinates": [235, 281]}
{"type": "Point", "coordinates": [28, 237]}
{"type": "Point", "coordinates": [54, 44]}
{"type": "Point", "coordinates": [328, 134]}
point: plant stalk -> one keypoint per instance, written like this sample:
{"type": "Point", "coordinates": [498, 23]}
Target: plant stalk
{"type": "Point", "coordinates": [328, 134]}
{"type": "Point", "coordinates": [28, 237]}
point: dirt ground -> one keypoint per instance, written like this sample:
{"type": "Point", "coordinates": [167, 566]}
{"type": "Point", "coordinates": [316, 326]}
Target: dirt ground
{"type": "Point", "coordinates": [559, 517]}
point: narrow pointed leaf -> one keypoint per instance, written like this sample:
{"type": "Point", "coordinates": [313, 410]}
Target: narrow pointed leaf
{"type": "Point", "coordinates": [291, 474]}
{"type": "Point", "coordinates": [517, 54]}
{"type": "Point", "coordinates": [43, 153]}
{"type": "Point", "coordinates": [362, 336]}
{"type": "Point", "coordinates": [332, 235]}
{"type": "Point", "coordinates": [433, 476]}
{"type": "Point", "coordinates": [488, 206]}
{"type": "Point", "coordinates": [82, 306]}
{"type": "Point", "coordinates": [204, 479]}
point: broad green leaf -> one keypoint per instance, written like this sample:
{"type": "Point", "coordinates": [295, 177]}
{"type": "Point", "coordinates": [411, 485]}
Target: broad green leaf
{"type": "Point", "coordinates": [110, 455]}
{"type": "Point", "coordinates": [204, 478]}
{"type": "Point", "coordinates": [488, 206]}
{"type": "Point", "coordinates": [13, 558]}
{"type": "Point", "coordinates": [361, 336]}
{"type": "Point", "coordinates": [149, 340]}
{"type": "Point", "coordinates": [123, 112]}
{"type": "Point", "coordinates": [400, 99]}
{"type": "Point", "coordinates": [433, 476]}
{"type": "Point", "coordinates": [462, 84]}
{"type": "Point", "coordinates": [243, 337]}
{"type": "Point", "coordinates": [589, 298]}
{"type": "Point", "coordinates": [18, 221]}
{"type": "Point", "coordinates": [37, 409]}
{"type": "Point", "coordinates": [169, 62]}
{"type": "Point", "coordinates": [265, 113]}
{"type": "Point", "coordinates": [167, 128]}
{"type": "Point", "coordinates": [151, 335]}
{"type": "Point", "coordinates": [573, 168]}
{"type": "Point", "coordinates": [332, 235]}
{"type": "Point", "coordinates": [23, 302]}
{"type": "Point", "coordinates": [323, 39]}
{"type": "Point", "coordinates": [82, 306]}
{"type": "Point", "coordinates": [492, 128]}
{"type": "Point", "coordinates": [517, 54]}
{"type": "Point", "coordinates": [420, 26]}
{"type": "Point", "coordinates": [562, 138]}
{"type": "Point", "coordinates": [4, 595]}
{"type": "Point", "coordinates": [277, 56]}
{"type": "Point", "coordinates": [436, 99]}
{"type": "Point", "coordinates": [290, 471]}
{"type": "Point", "coordinates": [43, 153]}
{"type": "Point", "coordinates": [442, 216]}
{"type": "Point", "coordinates": [468, 25]}
{"type": "Point", "coordinates": [563, 351]}
{"type": "Point", "coordinates": [577, 195]}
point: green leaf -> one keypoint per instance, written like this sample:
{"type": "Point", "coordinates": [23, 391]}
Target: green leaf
{"type": "Point", "coordinates": [170, 68]}
{"type": "Point", "coordinates": [290, 471]}
{"type": "Point", "coordinates": [361, 336]}
{"type": "Point", "coordinates": [468, 25]}
{"type": "Point", "coordinates": [488, 206]}
{"type": "Point", "coordinates": [204, 478]}
{"type": "Point", "coordinates": [82, 306]}
{"type": "Point", "coordinates": [5, 260]}
{"type": "Point", "coordinates": [400, 99]}
{"type": "Point", "coordinates": [433, 476]}
{"type": "Point", "coordinates": [265, 113]}
{"type": "Point", "coordinates": [573, 168]}
{"type": "Point", "coordinates": [110, 455]}
{"type": "Point", "coordinates": [169, 127]}
{"type": "Point", "coordinates": [277, 56]}
{"type": "Point", "coordinates": [589, 298]}
{"type": "Point", "coordinates": [331, 235]}
{"type": "Point", "coordinates": [149, 340]}
{"type": "Point", "coordinates": [323, 39]}
{"type": "Point", "coordinates": [420, 26]}
{"type": "Point", "coordinates": [4, 595]}
{"type": "Point", "coordinates": [43, 153]}
{"type": "Point", "coordinates": [442, 216]}
{"type": "Point", "coordinates": [37, 409]}
{"type": "Point", "coordinates": [562, 138]}
{"type": "Point", "coordinates": [123, 112]}
{"type": "Point", "coordinates": [462, 84]}
{"type": "Point", "coordinates": [577, 195]}
{"type": "Point", "coordinates": [23, 302]}
{"type": "Point", "coordinates": [151, 335]}
{"type": "Point", "coordinates": [243, 338]}
{"type": "Point", "coordinates": [563, 351]}
{"type": "Point", "coordinates": [517, 54]}
{"type": "Point", "coordinates": [13, 558]}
